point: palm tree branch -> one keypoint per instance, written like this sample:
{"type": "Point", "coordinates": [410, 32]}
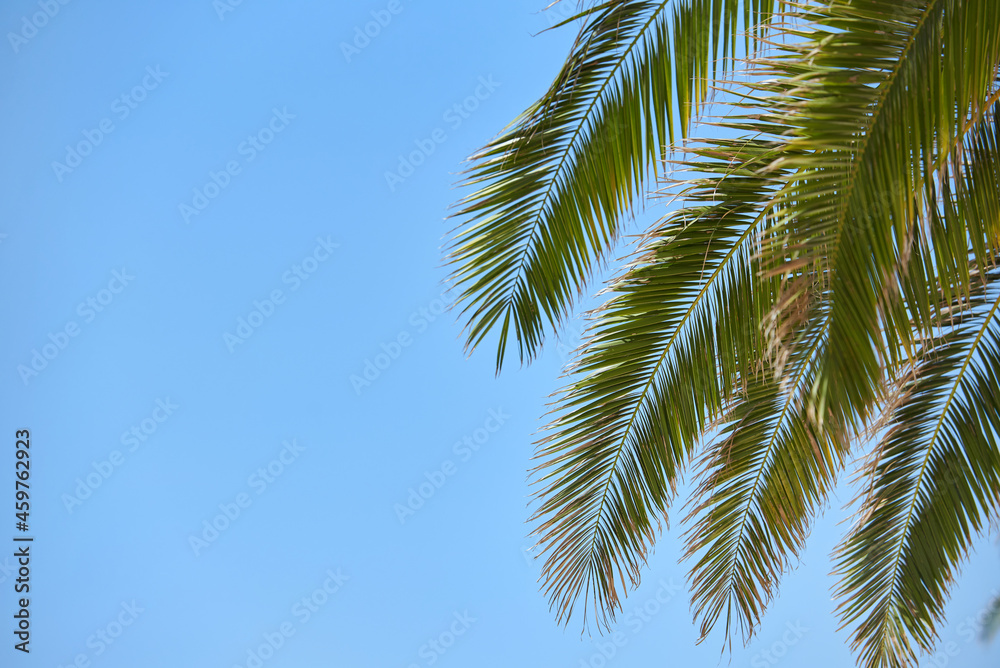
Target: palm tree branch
{"type": "Point", "coordinates": [638, 427]}
{"type": "Point", "coordinates": [553, 186]}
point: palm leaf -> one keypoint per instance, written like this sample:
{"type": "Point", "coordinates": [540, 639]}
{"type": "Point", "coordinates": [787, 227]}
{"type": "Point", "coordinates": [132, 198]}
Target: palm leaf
{"type": "Point", "coordinates": [552, 189]}
{"type": "Point", "coordinates": [936, 474]}
{"type": "Point", "coordinates": [935, 483]}
{"type": "Point", "coordinates": [884, 91]}
{"type": "Point", "coordinates": [762, 482]}
{"type": "Point", "coordinates": [659, 363]}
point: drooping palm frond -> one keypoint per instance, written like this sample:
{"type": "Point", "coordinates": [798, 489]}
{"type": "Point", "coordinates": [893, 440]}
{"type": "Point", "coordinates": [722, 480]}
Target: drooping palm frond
{"type": "Point", "coordinates": [552, 189]}
{"type": "Point", "coordinates": [883, 93]}
{"type": "Point", "coordinates": [936, 482]}
{"type": "Point", "coordinates": [660, 364]}
{"type": "Point", "coordinates": [786, 436]}
{"type": "Point", "coordinates": [761, 484]}
{"type": "Point", "coordinates": [935, 477]}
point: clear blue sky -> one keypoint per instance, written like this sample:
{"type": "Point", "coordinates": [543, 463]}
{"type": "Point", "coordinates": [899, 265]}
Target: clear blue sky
{"type": "Point", "coordinates": [228, 165]}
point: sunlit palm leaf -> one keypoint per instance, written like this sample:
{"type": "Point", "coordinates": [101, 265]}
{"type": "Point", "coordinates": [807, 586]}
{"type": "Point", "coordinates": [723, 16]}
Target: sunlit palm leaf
{"type": "Point", "coordinates": [658, 366]}
{"type": "Point", "coordinates": [552, 189]}
{"type": "Point", "coordinates": [935, 478]}
{"type": "Point", "coordinates": [831, 276]}
{"type": "Point", "coordinates": [885, 89]}
{"type": "Point", "coordinates": [763, 480]}
{"type": "Point", "coordinates": [935, 483]}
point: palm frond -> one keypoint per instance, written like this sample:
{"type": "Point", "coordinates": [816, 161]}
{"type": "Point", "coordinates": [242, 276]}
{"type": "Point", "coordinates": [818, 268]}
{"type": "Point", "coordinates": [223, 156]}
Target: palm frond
{"type": "Point", "coordinates": [659, 363]}
{"type": "Point", "coordinates": [884, 91]}
{"type": "Point", "coordinates": [934, 485]}
{"type": "Point", "coordinates": [552, 189]}
{"type": "Point", "coordinates": [935, 477]}
{"type": "Point", "coordinates": [831, 277]}
{"type": "Point", "coordinates": [762, 482]}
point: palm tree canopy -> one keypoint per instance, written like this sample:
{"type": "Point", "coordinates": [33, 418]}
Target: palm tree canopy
{"type": "Point", "coordinates": [827, 291]}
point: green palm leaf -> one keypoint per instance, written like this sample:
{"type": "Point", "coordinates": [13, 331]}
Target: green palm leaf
{"type": "Point", "coordinates": [552, 189]}
{"type": "Point", "coordinates": [883, 97]}
{"type": "Point", "coordinates": [658, 365]}
{"type": "Point", "coordinates": [830, 277]}
{"type": "Point", "coordinates": [936, 473]}
{"type": "Point", "coordinates": [935, 483]}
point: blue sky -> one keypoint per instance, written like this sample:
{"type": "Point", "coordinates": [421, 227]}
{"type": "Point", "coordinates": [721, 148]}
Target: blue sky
{"type": "Point", "coordinates": [207, 258]}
